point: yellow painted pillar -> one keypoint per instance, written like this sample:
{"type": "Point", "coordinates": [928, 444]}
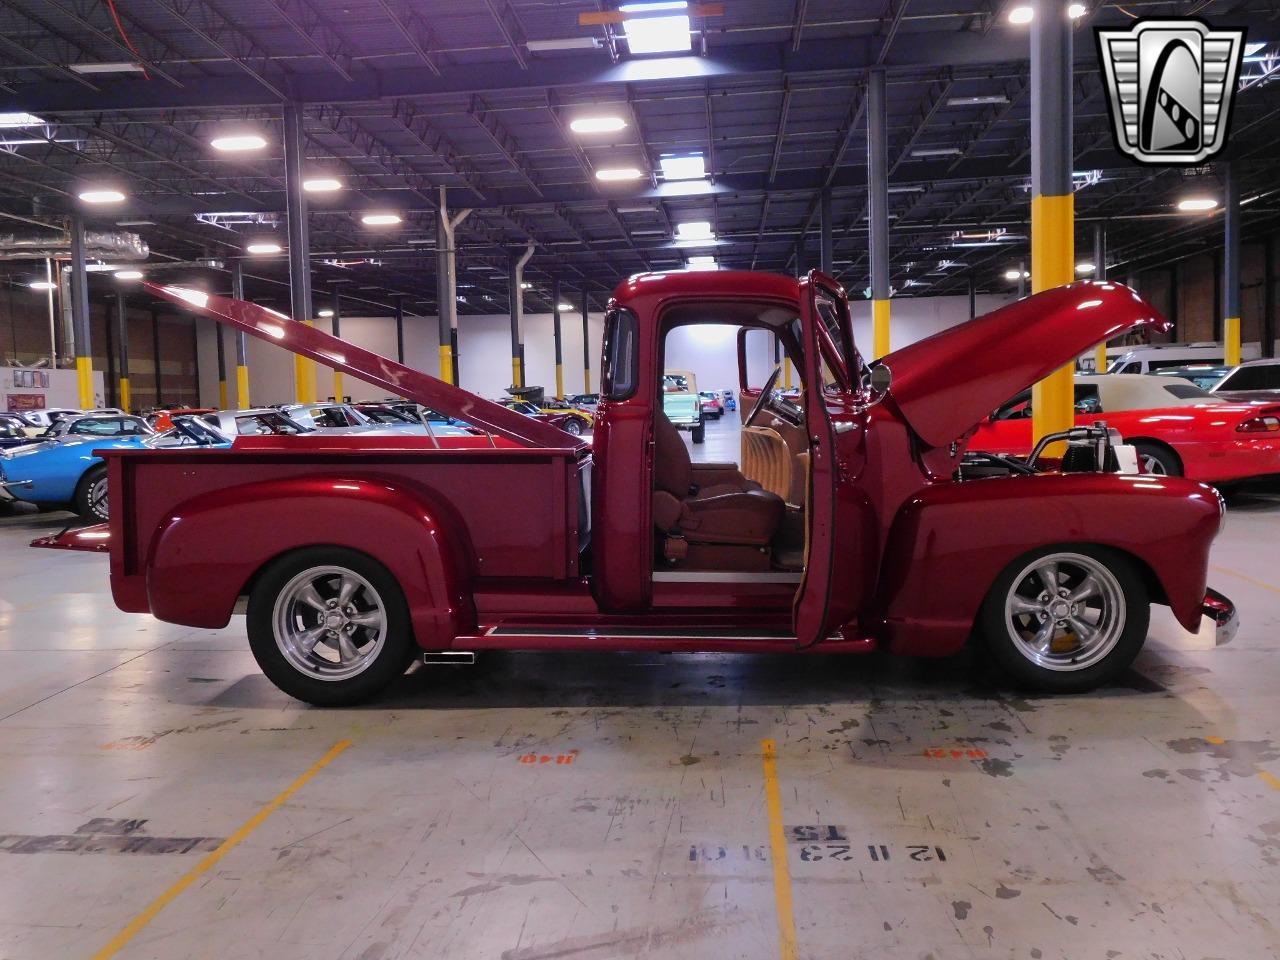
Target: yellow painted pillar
{"type": "Point", "coordinates": [786, 374]}
{"type": "Point", "coordinates": [337, 386]}
{"type": "Point", "coordinates": [586, 379]}
{"type": "Point", "coordinates": [879, 328]}
{"type": "Point", "coordinates": [1231, 268]}
{"type": "Point", "coordinates": [222, 393]}
{"type": "Point", "coordinates": [304, 377]}
{"type": "Point", "coordinates": [242, 386]}
{"type": "Point", "coordinates": [560, 381]}
{"type": "Point", "coordinates": [1231, 336]}
{"type": "Point", "coordinates": [515, 372]}
{"type": "Point", "coordinates": [124, 395]}
{"type": "Point", "coordinates": [84, 381]}
{"type": "Point", "coordinates": [1052, 265]}
{"type": "Point", "coordinates": [446, 362]}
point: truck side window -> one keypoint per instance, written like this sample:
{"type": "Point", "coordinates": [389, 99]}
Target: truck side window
{"type": "Point", "coordinates": [621, 360]}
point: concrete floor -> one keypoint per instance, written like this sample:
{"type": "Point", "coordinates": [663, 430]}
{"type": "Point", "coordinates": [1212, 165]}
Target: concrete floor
{"type": "Point", "coordinates": [589, 807]}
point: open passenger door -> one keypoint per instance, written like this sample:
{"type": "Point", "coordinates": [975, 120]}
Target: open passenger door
{"type": "Point", "coordinates": [840, 542]}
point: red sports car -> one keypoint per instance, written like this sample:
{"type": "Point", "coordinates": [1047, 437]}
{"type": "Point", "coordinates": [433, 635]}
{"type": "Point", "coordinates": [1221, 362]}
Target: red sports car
{"type": "Point", "coordinates": [1177, 428]}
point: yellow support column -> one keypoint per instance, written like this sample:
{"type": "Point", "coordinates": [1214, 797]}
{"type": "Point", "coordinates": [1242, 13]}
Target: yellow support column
{"type": "Point", "coordinates": [222, 394]}
{"type": "Point", "coordinates": [515, 372]}
{"type": "Point", "coordinates": [1231, 268]}
{"type": "Point", "coordinates": [559, 381]}
{"type": "Point", "coordinates": [879, 328]}
{"type": "Point", "coordinates": [446, 362]}
{"type": "Point", "coordinates": [242, 386]}
{"type": "Point", "coordinates": [786, 374]}
{"type": "Point", "coordinates": [84, 381]}
{"type": "Point", "coordinates": [304, 377]}
{"type": "Point", "coordinates": [1231, 336]}
{"type": "Point", "coordinates": [1052, 265]}
{"type": "Point", "coordinates": [586, 379]}
{"type": "Point", "coordinates": [124, 395]}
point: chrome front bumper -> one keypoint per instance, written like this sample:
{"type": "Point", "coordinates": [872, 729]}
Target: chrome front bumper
{"type": "Point", "coordinates": [1223, 613]}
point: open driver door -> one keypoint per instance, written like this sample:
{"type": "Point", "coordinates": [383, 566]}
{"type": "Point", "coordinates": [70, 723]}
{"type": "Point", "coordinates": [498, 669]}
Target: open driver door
{"type": "Point", "coordinates": [840, 544]}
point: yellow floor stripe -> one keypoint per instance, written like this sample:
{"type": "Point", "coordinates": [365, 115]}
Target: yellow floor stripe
{"type": "Point", "coordinates": [1270, 779]}
{"type": "Point", "coordinates": [778, 851]}
{"type": "Point", "coordinates": [1248, 579]}
{"type": "Point", "coordinates": [121, 939]}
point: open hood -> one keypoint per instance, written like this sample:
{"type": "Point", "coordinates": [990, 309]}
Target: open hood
{"type": "Point", "coordinates": [393, 377]}
{"type": "Point", "coordinates": [946, 384]}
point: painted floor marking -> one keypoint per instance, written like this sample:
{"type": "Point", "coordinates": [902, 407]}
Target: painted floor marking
{"type": "Point", "coordinates": [778, 849]}
{"type": "Point", "coordinates": [1270, 779]}
{"type": "Point", "coordinates": [1246, 578]}
{"type": "Point", "coordinates": [131, 930]}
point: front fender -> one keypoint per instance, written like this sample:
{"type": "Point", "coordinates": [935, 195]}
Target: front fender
{"type": "Point", "coordinates": [195, 578]}
{"type": "Point", "coordinates": [950, 542]}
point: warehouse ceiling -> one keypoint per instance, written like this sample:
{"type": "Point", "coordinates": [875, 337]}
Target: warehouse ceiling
{"type": "Point", "coordinates": [403, 98]}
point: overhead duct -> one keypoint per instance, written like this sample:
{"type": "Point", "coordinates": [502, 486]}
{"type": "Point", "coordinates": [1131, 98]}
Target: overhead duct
{"type": "Point", "coordinates": [30, 245]}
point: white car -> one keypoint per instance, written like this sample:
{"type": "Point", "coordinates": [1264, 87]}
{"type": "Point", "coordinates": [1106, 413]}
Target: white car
{"type": "Point", "coordinates": [1159, 356]}
{"type": "Point", "coordinates": [1251, 380]}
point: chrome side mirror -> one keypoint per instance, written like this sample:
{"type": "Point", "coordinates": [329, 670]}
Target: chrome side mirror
{"type": "Point", "coordinates": [881, 378]}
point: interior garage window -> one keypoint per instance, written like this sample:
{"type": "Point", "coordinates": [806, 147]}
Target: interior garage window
{"type": "Point", "coordinates": [621, 360]}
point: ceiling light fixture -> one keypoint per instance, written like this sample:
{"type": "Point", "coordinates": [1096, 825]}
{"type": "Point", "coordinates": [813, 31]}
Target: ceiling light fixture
{"type": "Point", "coordinates": [980, 101]}
{"type": "Point", "coordinates": [691, 166]}
{"type": "Point", "coordinates": [597, 124]}
{"type": "Point", "coordinates": [563, 307]}
{"type": "Point", "coordinates": [111, 66]}
{"type": "Point", "coordinates": [614, 174]}
{"type": "Point", "coordinates": [1014, 274]}
{"type": "Point", "coordinates": [1085, 268]}
{"type": "Point", "coordinates": [694, 230]}
{"type": "Point", "coordinates": [42, 285]}
{"type": "Point", "coordinates": [11, 120]}
{"type": "Point", "coordinates": [936, 152]}
{"type": "Point", "coordinates": [563, 43]}
{"type": "Point", "coordinates": [238, 142]}
{"type": "Point", "coordinates": [263, 246]}
{"type": "Point", "coordinates": [701, 263]}
{"type": "Point", "coordinates": [668, 33]}
{"type": "Point", "coordinates": [1077, 10]}
{"type": "Point", "coordinates": [1197, 204]}
{"type": "Point", "coordinates": [380, 219]}
{"type": "Point", "coordinates": [322, 184]}
{"type": "Point", "coordinates": [1021, 15]}
{"type": "Point", "coordinates": [101, 195]}
{"type": "Point", "coordinates": [324, 313]}
{"type": "Point", "coordinates": [128, 274]}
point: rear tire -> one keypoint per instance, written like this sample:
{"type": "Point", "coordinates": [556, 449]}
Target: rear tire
{"type": "Point", "coordinates": [329, 626]}
{"type": "Point", "coordinates": [1158, 460]}
{"type": "Point", "coordinates": [1083, 635]}
{"type": "Point", "coordinates": [574, 427]}
{"type": "Point", "coordinates": [91, 494]}
{"type": "Point", "coordinates": [699, 432]}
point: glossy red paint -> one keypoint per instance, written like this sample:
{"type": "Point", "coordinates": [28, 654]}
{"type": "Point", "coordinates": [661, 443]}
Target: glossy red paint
{"type": "Point", "coordinates": [484, 534]}
{"type": "Point", "coordinates": [1204, 437]}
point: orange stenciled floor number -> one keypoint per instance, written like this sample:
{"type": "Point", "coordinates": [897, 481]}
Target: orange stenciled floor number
{"type": "Point", "coordinates": [952, 753]}
{"type": "Point", "coordinates": [561, 759]}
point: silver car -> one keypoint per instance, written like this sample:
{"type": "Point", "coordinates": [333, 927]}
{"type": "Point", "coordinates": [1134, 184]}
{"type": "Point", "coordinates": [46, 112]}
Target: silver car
{"type": "Point", "coordinates": [260, 421]}
{"type": "Point", "coordinates": [96, 425]}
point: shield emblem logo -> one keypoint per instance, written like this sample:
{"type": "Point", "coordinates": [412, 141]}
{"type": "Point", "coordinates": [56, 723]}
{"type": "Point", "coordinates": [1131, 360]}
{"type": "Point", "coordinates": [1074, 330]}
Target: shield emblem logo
{"type": "Point", "coordinates": [1170, 85]}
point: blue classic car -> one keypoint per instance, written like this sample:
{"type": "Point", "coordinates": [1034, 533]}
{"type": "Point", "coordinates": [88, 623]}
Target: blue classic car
{"type": "Point", "coordinates": [65, 473]}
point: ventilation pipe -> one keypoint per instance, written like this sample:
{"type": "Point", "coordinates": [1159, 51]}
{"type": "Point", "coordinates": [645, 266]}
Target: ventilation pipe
{"type": "Point", "coordinates": [29, 245]}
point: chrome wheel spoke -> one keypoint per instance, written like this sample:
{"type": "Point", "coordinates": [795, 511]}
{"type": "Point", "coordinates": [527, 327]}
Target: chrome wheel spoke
{"type": "Point", "coordinates": [346, 649]}
{"type": "Point", "coordinates": [1085, 631]}
{"type": "Point", "coordinates": [1021, 605]}
{"type": "Point", "coordinates": [308, 639]}
{"type": "Point", "coordinates": [369, 618]}
{"type": "Point", "coordinates": [1043, 639]}
{"type": "Point", "coordinates": [1048, 576]}
{"type": "Point", "coordinates": [346, 590]}
{"type": "Point", "coordinates": [1089, 587]}
{"type": "Point", "coordinates": [311, 598]}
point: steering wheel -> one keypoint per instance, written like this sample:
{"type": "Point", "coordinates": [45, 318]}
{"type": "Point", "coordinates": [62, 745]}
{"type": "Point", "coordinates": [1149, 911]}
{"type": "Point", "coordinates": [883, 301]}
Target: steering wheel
{"type": "Point", "coordinates": [762, 402]}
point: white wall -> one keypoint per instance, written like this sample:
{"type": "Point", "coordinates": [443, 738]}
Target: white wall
{"type": "Point", "coordinates": [63, 390]}
{"type": "Point", "coordinates": [484, 344]}
{"type": "Point", "coordinates": [484, 352]}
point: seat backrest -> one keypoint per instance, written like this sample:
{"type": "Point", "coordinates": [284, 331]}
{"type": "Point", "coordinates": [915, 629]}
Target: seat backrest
{"type": "Point", "coordinates": [672, 469]}
{"type": "Point", "coordinates": [766, 460]}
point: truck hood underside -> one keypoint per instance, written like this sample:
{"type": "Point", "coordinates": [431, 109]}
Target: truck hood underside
{"type": "Point", "coordinates": [395, 378]}
{"type": "Point", "coordinates": [946, 384]}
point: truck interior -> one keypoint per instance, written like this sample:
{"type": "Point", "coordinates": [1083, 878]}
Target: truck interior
{"type": "Point", "coordinates": [746, 516]}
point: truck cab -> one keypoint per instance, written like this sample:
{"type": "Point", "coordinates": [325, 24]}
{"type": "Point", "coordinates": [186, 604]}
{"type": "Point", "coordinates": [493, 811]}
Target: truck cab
{"type": "Point", "coordinates": [848, 524]}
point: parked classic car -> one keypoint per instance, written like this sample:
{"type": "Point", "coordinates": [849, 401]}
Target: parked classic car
{"type": "Point", "coordinates": [682, 404]}
{"type": "Point", "coordinates": [39, 420]}
{"type": "Point", "coordinates": [257, 421]}
{"type": "Point", "coordinates": [1178, 428]}
{"type": "Point", "coordinates": [13, 430]}
{"type": "Point", "coordinates": [531, 539]}
{"type": "Point", "coordinates": [570, 423]}
{"type": "Point", "coordinates": [712, 405]}
{"type": "Point", "coordinates": [97, 425]}
{"type": "Point", "coordinates": [161, 419]}
{"type": "Point", "coordinates": [385, 415]}
{"type": "Point", "coordinates": [1251, 380]}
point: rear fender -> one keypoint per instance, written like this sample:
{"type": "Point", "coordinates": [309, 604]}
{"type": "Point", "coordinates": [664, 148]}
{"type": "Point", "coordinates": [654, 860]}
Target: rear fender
{"type": "Point", "coordinates": [951, 541]}
{"type": "Point", "coordinates": [194, 578]}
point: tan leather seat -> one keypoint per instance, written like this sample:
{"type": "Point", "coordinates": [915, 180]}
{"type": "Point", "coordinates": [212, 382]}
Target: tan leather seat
{"type": "Point", "coordinates": [707, 503]}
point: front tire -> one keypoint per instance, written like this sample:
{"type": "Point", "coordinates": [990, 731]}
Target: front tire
{"type": "Point", "coordinates": [1066, 619]}
{"type": "Point", "coordinates": [329, 626]}
{"type": "Point", "coordinates": [574, 427]}
{"type": "Point", "coordinates": [1158, 460]}
{"type": "Point", "coordinates": [91, 494]}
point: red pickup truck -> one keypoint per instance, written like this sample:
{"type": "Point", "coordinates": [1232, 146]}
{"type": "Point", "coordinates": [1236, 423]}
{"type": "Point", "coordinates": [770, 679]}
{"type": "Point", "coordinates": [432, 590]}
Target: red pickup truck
{"type": "Point", "coordinates": [358, 554]}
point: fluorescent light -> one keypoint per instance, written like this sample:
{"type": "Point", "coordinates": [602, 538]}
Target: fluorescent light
{"type": "Point", "coordinates": [669, 34]}
{"type": "Point", "coordinates": [238, 141]}
{"type": "Point", "coordinates": [101, 195]}
{"type": "Point", "coordinates": [321, 185]}
{"type": "Point", "coordinates": [128, 274]}
{"type": "Point", "coordinates": [1197, 204]}
{"type": "Point", "coordinates": [691, 167]}
{"type": "Point", "coordinates": [907, 188]}
{"type": "Point", "coordinates": [1077, 10]}
{"type": "Point", "coordinates": [115, 66]}
{"type": "Point", "coordinates": [694, 230]}
{"type": "Point", "coordinates": [977, 101]}
{"type": "Point", "coordinates": [42, 285]}
{"type": "Point", "coordinates": [1013, 275]}
{"type": "Point", "coordinates": [611, 174]}
{"type": "Point", "coordinates": [263, 246]}
{"type": "Point", "coordinates": [701, 263]}
{"type": "Point", "coordinates": [936, 152]}
{"type": "Point", "coordinates": [563, 43]}
{"type": "Point", "coordinates": [1021, 15]}
{"type": "Point", "coordinates": [526, 285]}
{"type": "Point", "coordinates": [324, 313]}
{"type": "Point", "coordinates": [10, 120]}
{"type": "Point", "coordinates": [1085, 268]}
{"type": "Point", "coordinates": [597, 124]}
{"type": "Point", "coordinates": [380, 219]}
{"type": "Point", "coordinates": [563, 307]}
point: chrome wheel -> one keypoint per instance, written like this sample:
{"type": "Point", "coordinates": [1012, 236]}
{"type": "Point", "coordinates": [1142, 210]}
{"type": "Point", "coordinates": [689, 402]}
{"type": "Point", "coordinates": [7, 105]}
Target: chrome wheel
{"type": "Point", "coordinates": [329, 623]}
{"type": "Point", "coordinates": [1153, 465]}
{"type": "Point", "coordinates": [98, 497]}
{"type": "Point", "coordinates": [1065, 611]}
